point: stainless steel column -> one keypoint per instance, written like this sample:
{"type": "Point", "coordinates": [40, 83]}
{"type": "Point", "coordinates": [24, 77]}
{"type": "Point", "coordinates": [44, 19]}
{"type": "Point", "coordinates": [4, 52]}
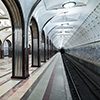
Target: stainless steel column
{"type": "Point", "coordinates": [19, 59]}
{"type": "Point", "coordinates": [35, 52]}
{"type": "Point", "coordinates": [48, 50]}
{"type": "Point", "coordinates": [0, 49]}
{"type": "Point", "coordinates": [35, 44]}
{"type": "Point", "coordinates": [42, 52]}
{"type": "Point", "coordinates": [9, 52]}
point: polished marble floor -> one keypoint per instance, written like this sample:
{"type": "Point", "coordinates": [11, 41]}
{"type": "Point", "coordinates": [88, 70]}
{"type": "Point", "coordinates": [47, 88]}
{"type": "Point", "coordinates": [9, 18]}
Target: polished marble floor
{"type": "Point", "coordinates": [6, 83]}
{"type": "Point", "coordinates": [42, 84]}
{"type": "Point", "coordinates": [14, 89]}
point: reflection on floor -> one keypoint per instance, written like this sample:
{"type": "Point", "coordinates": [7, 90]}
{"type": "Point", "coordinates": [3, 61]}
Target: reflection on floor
{"type": "Point", "coordinates": [47, 82]}
{"type": "Point", "coordinates": [5, 67]}
{"type": "Point", "coordinates": [6, 83]}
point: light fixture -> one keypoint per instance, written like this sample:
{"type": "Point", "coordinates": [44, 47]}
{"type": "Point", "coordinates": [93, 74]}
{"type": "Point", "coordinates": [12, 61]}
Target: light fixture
{"type": "Point", "coordinates": [69, 4]}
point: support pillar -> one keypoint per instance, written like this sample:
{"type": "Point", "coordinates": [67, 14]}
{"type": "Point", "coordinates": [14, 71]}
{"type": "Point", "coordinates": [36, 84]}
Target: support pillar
{"type": "Point", "coordinates": [36, 53]}
{"type": "Point", "coordinates": [43, 51]}
{"type": "Point", "coordinates": [19, 39]}
{"type": "Point", "coordinates": [35, 44]}
{"type": "Point", "coordinates": [48, 50]}
{"type": "Point", "coordinates": [10, 52]}
{"type": "Point", "coordinates": [2, 54]}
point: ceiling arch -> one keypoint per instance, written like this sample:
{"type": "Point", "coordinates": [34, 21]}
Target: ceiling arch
{"type": "Point", "coordinates": [65, 21]}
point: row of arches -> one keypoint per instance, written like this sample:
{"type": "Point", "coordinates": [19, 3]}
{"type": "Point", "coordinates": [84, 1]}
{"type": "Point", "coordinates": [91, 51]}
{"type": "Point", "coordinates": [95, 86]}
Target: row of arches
{"type": "Point", "coordinates": [5, 49]}
{"type": "Point", "coordinates": [39, 55]}
{"type": "Point", "coordinates": [41, 46]}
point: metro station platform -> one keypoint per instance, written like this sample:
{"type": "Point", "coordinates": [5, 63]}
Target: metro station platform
{"type": "Point", "coordinates": [48, 82]}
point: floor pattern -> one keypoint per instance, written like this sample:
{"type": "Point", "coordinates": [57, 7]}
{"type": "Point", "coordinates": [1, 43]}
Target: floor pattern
{"type": "Point", "coordinates": [14, 89]}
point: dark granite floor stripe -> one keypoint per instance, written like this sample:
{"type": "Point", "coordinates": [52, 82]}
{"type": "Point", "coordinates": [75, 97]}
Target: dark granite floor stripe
{"type": "Point", "coordinates": [5, 81]}
{"type": "Point", "coordinates": [14, 89]}
{"type": "Point", "coordinates": [49, 87]}
{"type": "Point", "coordinates": [8, 92]}
{"type": "Point", "coordinates": [5, 74]}
{"type": "Point", "coordinates": [27, 94]}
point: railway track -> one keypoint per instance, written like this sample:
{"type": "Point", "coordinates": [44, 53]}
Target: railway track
{"type": "Point", "coordinates": [81, 85]}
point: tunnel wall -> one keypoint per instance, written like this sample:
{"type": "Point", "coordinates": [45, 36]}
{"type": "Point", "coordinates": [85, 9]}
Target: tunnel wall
{"type": "Point", "coordinates": [84, 45]}
{"type": "Point", "coordinates": [88, 32]}
{"type": "Point", "coordinates": [92, 66]}
{"type": "Point", "coordinates": [85, 42]}
{"type": "Point", "coordinates": [90, 51]}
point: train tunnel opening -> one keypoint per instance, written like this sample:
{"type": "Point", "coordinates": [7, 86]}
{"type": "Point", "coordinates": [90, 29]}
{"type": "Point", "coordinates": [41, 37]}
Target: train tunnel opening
{"type": "Point", "coordinates": [62, 50]}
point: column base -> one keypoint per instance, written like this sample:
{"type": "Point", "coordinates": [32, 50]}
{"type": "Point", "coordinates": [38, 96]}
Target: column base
{"type": "Point", "coordinates": [35, 66]}
{"type": "Point", "coordinates": [2, 54]}
{"type": "Point", "coordinates": [18, 77]}
{"type": "Point", "coordinates": [43, 61]}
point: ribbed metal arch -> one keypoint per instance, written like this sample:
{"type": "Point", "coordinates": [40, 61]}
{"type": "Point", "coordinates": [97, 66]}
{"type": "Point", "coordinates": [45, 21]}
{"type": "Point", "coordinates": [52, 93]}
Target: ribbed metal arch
{"type": "Point", "coordinates": [9, 43]}
{"type": "Point", "coordinates": [35, 43]}
{"type": "Point", "coordinates": [0, 42]}
{"type": "Point", "coordinates": [43, 47]}
{"type": "Point", "coordinates": [19, 68]}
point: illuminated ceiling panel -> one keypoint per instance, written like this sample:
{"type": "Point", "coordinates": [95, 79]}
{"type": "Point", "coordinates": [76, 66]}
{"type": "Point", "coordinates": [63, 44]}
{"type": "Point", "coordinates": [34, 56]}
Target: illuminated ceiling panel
{"type": "Point", "coordinates": [58, 4]}
{"type": "Point", "coordinates": [69, 20]}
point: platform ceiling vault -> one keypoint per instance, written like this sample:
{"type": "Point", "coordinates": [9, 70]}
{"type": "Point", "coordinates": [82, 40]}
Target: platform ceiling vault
{"type": "Point", "coordinates": [62, 22]}
{"type": "Point", "coordinates": [5, 24]}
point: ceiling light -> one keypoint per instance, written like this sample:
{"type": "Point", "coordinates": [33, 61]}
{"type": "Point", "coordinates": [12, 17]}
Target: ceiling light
{"type": "Point", "coordinates": [68, 4]}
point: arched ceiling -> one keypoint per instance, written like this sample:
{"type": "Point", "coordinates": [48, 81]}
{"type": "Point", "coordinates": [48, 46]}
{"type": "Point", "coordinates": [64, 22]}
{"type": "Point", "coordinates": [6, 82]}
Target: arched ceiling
{"type": "Point", "coordinates": [5, 23]}
{"type": "Point", "coordinates": [3, 12]}
{"type": "Point", "coordinates": [62, 22]}
{"type": "Point", "coordinates": [57, 4]}
{"type": "Point", "coordinates": [59, 23]}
